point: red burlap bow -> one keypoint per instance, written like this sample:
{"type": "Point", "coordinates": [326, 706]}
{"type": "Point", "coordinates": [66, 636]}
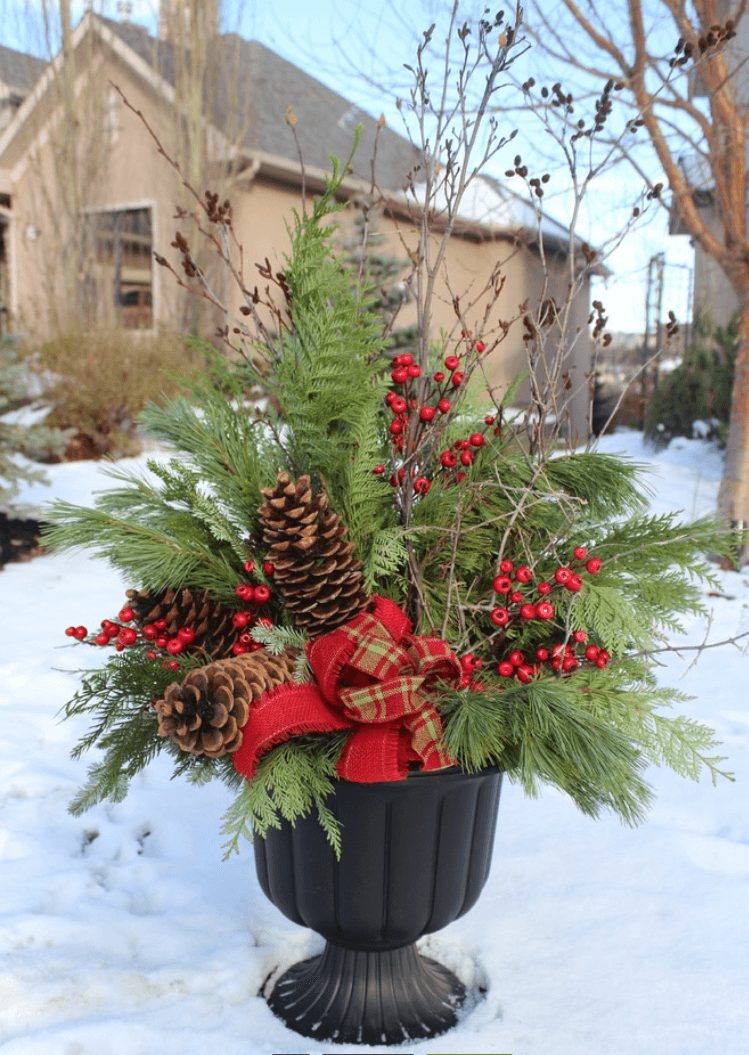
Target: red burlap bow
{"type": "Point", "coordinates": [372, 676]}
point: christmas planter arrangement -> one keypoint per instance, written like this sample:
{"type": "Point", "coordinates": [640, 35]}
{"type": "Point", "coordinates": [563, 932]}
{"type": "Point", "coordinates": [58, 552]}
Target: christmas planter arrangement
{"type": "Point", "coordinates": [360, 608]}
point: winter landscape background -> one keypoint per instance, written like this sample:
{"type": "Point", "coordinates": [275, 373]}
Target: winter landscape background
{"type": "Point", "coordinates": [123, 932]}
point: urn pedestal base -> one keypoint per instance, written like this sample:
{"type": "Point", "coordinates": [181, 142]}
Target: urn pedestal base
{"type": "Point", "coordinates": [357, 997]}
{"type": "Point", "coordinates": [416, 854]}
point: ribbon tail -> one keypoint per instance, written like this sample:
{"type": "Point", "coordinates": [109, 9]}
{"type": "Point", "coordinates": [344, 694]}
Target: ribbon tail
{"type": "Point", "coordinates": [288, 710]}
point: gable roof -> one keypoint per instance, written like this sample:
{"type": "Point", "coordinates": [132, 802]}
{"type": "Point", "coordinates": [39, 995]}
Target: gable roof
{"type": "Point", "coordinates": [19, 71]}
{"type": "Point", "coordinates": [268, 85]}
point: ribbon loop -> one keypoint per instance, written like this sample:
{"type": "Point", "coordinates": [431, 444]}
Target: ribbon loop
{"type": "Point", "coordinates": [373, 677]}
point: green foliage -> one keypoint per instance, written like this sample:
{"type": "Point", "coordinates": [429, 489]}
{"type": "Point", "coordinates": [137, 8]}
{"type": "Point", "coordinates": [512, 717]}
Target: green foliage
{"type": "Point", "coordinates": [118, 698]}
{"type": "Point", "coordinates": [290, 779]}
{"type": "Point", "coordinates": [193, 521]}
{"type": "Point", "coordinates": [700, 388]}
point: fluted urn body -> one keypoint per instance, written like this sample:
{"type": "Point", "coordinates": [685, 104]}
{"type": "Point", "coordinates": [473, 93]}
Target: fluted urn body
{"type": "Point", "coordinates": [416, 855]}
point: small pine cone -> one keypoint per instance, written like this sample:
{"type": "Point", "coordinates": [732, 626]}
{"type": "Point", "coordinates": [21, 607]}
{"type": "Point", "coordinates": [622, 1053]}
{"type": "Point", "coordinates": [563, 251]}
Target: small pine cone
{"type": "Point", "coordinates": [314, 569]}
{"type": "Point", "coordinates": [214, 631]}
{"type": "Point", "coordinates": [205, 713]}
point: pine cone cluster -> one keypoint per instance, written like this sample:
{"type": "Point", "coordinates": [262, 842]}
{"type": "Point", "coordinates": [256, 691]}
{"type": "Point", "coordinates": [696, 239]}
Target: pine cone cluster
{"type": "Point", "coordinates": [320, 580]}
{"type": "Point", "coordinates": [214, 631]}
{"type": "Point", "coordinates": [205, 713]}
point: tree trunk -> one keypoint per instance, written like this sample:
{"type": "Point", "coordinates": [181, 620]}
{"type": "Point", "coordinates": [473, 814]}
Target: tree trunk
{"type": "Point", "coordinates": [733, 496]}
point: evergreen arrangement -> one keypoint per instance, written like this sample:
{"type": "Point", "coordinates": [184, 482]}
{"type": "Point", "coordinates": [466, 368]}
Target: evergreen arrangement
{"type": "Point", "coordinates": [379, 560]}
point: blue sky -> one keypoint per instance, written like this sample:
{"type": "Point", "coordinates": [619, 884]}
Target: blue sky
{"type": "Point", "coordinates": [359, 49]}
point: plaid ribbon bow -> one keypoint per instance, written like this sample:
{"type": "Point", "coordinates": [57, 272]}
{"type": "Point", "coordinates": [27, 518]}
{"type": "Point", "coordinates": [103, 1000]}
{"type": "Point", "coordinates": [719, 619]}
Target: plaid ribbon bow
{"type": "Point", "coordinates": [373, 676]}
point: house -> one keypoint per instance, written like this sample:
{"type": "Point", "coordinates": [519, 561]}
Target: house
{"type": "Point", "coordinates": [126, 193]}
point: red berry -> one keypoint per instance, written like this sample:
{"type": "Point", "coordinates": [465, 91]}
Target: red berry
{"type": "Point", "coordinates": [562, 575]}
{"type": "Point", "coordinates": [186, 634]}
{"type": "Point", "coordinates": [414, 370]}
{"type": "Point", "coordinates": [579, 636]}
{"type": "Point", "coordinates": [528, 611]}
{"type": "Point", "coordinates": [149, 631]}
{"type": "Point", "coordinates": [489, 419]}
{"type": "Point", "coordinates": [262, 594]}
{"type": "Point", "coordinates": [501, 584]}
{"type": "Point", "coordinates": [439, 376]}
{"type": "Point", "coordinates": [603, 654]}
{"type": "Point", "coordinates": [174, 665]}
{"type": "Point", "coordinates": [162, 642]}
{"type": "Point", "coordinates": [506, 567]}
{"type": "Point", "coordinates": [400, 375]}
{"type": "Point", "coordinates": [452, 362]}
{"type": "Point", "coordinates": [460, 477]}
{"type": "Point", "coordinates": [593, 565]}
{"type": "Point", "coordinates": [466, 457]}
{"type": "Point", "coordinates": [70, 631]}
{"type": "Point", "coordinates": [505, 669]}
{"type": "Point", "coordinates": [421, 485]}
{"type": "Point", "coordinates": [544, 610]}
{"type": "Point", "coordinates": [378, 470]}
{"type": "Point", "coordinates": [80, 632]}
{"type": "Point", "coordinates": [246, 637]}
{"type": "Point", "coordinates": [390, 397]}
{"type": "Point", "coordinates": [128, 635]}
{"type": "Point", "coordinates": [500, 616]}
{"type": "Point", "coordinates": [396, 427]}
{"type": "Point", "coordinates": [601, 662]}
{"type": "Point", "coordinates": [456, 379]}
{"type": "Point", "coordinates": [256, 646]}
{"type": "Point", "coordinates": [477, 439]}
{"type": "Point", "coordinates": [150, 655]}
{"type": "Point", "coordinates": [126, 614]}
{"type": "Point", "coordinates": [525, 673]}
{"type": "Point", "coordinates": [245, 592]}
{"type": "Point", "coordinates": [238, 649]}
{"type": "Point", "coordinates": [542, 654]}
{"type": "Point", "coordinates": [427, 413]}
{"type": "Point", "coordinates": [399, 405]}
{"type": "Point", "coordinates": [404, 359]}
{"type": "Point", "coordinates": [443, 406]}
{"type": "Point", "coordinates": [467, 661]}
{"type": "Point", "coordinates": [569, 663]}
{"type": "Point", "coordinates": [249, 566]}
{"type": "Point", "coordinates": [580, 553]}
{"type": "Point", "coordinates": [448, 459]}
{"type": "Point", "coordinates": [591, 653]}
{"type": "Point", "coordinates": [102, 639]}
{"type": "Point", "coordinates": [516, 597]}
{"type": "Point", "coordinates": [160, 624]}
{"type": "Point", "coordinates": [574, 583]}
{"type": "Point", "coordinates": [240, 620]}
{"type": "Point", "coordinates": [480, 346]}
{"type": "Point", "coordinates": [523, 573]}
{"type": "Point", "coordinates": [556, 663]}
{"type": "Point", "coordinates": [175, 646]}
{"type": "Point", "coordinates": [517, 659]}
{"type": "Point", "coordinates": [268, 567]}
{"type": "Point", "coordinates": [544, 588]}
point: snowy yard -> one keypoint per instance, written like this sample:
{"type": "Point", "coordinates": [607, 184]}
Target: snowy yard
{"type": "Point", "coordinates": [124, 933]}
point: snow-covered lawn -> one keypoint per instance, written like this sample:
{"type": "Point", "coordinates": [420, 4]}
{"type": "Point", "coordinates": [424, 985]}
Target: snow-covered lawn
{"type": "Point", "coordinates": [124, 933]}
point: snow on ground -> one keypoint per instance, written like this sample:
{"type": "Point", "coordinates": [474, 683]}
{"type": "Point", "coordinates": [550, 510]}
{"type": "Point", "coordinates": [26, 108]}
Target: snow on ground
{"type": "Point", "coordinates": [124, 933]}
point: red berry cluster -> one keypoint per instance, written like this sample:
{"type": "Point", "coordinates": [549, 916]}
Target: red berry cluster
{"type": "Point", "coordinates": [564, 657]}
{"type": "Point", "coordinates": [521, 607]}
{"type": "Point", "coordinates": [405, 375]}
{"type": "Point", "coordinates": [246, 618]}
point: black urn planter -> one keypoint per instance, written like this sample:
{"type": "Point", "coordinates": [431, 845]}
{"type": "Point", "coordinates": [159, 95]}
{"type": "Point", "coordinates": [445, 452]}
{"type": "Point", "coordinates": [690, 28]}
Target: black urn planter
{"type": "Point", "coordinates": [416, 855]}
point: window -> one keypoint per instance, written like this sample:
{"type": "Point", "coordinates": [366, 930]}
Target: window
{"type": "Point", "coordinates": [120, 284]}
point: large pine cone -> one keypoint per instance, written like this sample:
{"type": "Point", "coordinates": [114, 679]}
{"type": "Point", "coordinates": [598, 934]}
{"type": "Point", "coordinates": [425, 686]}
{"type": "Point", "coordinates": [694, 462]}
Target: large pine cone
{"type": "Point", "coordinates": [205, 713]}
{"type": "Point", "coordinates": [214, 631]}
{"type": "Point", "coordinates": [320, 580]}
